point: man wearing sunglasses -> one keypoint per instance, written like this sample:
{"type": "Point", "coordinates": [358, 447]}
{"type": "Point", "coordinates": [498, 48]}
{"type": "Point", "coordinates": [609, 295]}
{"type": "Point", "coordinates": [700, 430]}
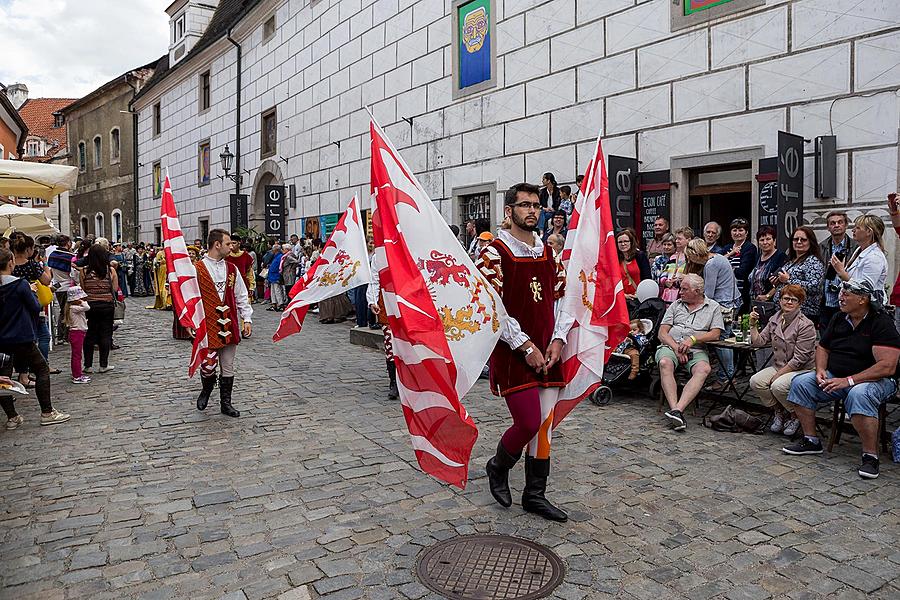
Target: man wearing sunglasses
{"type": "Point", "coordinates": [855, 361]}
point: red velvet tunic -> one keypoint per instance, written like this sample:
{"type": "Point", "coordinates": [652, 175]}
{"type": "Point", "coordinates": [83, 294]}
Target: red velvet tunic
{"type": "Point", "coordinates": [528, 294]}
{"type": "Point", "coordinates": [221, 316]}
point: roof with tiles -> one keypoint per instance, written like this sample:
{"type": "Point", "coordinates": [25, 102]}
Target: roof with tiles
{"type": "Point", "coordinates": [38, 115]}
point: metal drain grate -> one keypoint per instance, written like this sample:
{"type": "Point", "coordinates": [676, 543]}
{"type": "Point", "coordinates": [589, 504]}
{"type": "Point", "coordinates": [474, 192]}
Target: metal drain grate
{"type": "Point", "coordinates": [490, 567]}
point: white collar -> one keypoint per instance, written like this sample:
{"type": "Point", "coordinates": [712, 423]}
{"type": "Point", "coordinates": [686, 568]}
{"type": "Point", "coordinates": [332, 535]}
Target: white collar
{"type": "Point", "coordinates": [536, 249]}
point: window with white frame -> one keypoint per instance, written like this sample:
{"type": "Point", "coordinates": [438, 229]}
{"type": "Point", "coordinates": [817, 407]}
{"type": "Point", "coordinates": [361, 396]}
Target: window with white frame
{"type": "Point", "coordinates": [98, 149]}
{"type": "Point", "coordinates": [99, 231]}
{"type": "Point", "coordinates": [117, 225]}
{"type": "Point", "coordinates": [33, 148]}
{"type": "Point", "coordinates": [115, 146]}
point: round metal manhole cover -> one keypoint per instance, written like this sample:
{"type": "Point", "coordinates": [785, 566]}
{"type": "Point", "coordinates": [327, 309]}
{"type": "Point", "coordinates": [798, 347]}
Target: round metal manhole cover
{"type": "Point", "coordinates": [482, 567]}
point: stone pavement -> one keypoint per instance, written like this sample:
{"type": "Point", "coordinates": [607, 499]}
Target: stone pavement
{"type": "Point", "coordinates": [314, 491]}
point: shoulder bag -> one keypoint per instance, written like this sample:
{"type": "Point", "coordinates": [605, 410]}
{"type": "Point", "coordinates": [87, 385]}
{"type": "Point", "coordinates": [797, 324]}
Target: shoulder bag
{"type": "Point", "coordinates": [118, 305]}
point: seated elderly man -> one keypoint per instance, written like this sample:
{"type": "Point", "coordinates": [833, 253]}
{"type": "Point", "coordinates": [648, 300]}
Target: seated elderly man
{"type": "Point", "coordinates": [689, 322]}
{"type": "Point", "coordinates": [855, 360]}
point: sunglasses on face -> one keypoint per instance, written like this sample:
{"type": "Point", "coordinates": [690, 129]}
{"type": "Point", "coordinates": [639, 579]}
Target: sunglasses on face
{"type": "Point", "coordinates": [799, 240]}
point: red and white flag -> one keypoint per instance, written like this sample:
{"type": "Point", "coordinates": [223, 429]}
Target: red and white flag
{"type": "Point", "coordinates": [343, 265]}
{"type": "Point", "coordinates": [182, 278]}
{"type": "Point", "coordinates": [595, 294]}
{"type": "Point", "coordinates": [444, 316]}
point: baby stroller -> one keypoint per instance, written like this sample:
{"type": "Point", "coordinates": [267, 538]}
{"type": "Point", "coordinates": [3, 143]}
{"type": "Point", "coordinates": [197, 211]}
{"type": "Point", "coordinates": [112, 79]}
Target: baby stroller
{"type": "Point", "coordinates": [650, 311]}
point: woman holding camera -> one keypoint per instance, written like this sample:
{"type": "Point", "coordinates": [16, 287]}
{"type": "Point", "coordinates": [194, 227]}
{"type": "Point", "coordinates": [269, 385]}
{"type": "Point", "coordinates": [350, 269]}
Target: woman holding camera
{"type": "Point", "coordinates": [791, 335]}
{"type": "Point", "coordinates": [868, 260]}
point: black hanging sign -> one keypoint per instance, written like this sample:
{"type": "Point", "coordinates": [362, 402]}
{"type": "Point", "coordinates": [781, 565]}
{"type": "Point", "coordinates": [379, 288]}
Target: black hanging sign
{"type": "Point", "coordinates": [768, 192]}
{"type": "Point", "coordinates": [274, 207]}
{"type": "Point", "coordinates": [623, 174]}
{"type": "Point", "coordinates": [655, 194]}
{"type": "Point", "coordinates": [790, 186]}
{"type": "Point", "coordinates": [239, 216]}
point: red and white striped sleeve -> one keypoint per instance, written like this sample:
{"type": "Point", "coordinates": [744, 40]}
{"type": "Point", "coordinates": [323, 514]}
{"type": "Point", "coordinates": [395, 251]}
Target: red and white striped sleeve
{"type": "Point", "coordinates": [489, 265]}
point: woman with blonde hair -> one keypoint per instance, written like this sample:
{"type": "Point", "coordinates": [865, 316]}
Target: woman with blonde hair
{"type": "Point", "coordinates": [868, 261]}
{"type": "Point", "coordinates": [670, 279]}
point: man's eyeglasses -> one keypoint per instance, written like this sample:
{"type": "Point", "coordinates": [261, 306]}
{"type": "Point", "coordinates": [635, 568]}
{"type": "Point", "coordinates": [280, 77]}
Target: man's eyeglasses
{"type": "Point", "coordinates": [799, 240]}
{"type": "Point", "coordinates": [528, 205]}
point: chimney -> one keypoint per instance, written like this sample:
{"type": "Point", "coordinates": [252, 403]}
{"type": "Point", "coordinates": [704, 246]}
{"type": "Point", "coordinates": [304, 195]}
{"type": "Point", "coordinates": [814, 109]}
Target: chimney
{"type": "Point", "coordinates": [17, 94]}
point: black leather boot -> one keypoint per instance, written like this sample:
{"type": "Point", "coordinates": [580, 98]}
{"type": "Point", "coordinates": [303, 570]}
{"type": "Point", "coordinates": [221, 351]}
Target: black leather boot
{"type": "Point", "coordinates": [533, 500]}
{"type": "Point", "coordinates": [393, 393]}
{"type": "Point", "coordinates": [498, 475]}
{"type": "Point", "coordinates": [226, 384]}
{"type": "Point", "coordinates": [208, 384]}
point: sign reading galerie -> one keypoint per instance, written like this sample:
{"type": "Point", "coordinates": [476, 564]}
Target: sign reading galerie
{"type": "Point", "coordinates": [474, 46]}
{"type": "Point", "coordinates": [275, 210]}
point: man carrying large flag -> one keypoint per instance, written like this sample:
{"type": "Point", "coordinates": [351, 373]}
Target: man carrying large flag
{"type": "Point", "coordinates": [541, 378]}
{"type": "Point", "coordinates": [343, 265]}
{"type": "Point", "coordinates": [443, 315]}
{"type": "Point", "coordinates": [224, 299]}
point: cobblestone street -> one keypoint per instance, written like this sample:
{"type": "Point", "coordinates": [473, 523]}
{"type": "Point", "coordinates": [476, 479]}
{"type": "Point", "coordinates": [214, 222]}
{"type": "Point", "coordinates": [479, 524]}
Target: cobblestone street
{"type": "Point", "coordinates": [314, 491]}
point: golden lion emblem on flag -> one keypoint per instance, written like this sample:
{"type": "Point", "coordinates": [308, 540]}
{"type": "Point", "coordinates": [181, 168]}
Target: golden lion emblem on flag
{"type": "Point", "coordinates": [329, 278]}
{"type": "Point", "coordinates": [444, 270]}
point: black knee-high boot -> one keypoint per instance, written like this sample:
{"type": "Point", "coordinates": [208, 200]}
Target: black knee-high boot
{"type": "Point", "coordinates": [393, 393]}
{"type": "Point", "coordinates": [533, 500]}
{"type": "Point", "coordinates": [498, 474]}
{"type": "Point", "coordinates": [226, 384]}
{"type": "Point", "coordinates": [208, 384]}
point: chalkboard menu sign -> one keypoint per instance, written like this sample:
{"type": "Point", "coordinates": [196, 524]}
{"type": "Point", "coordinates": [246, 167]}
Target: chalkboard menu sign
{"type": "Point", "coordinates": [790, 186]}
{"type": "Point", "coordinates": [623, 176]}
{"type": "Point", "coordinates": [655, 201]}
{"type": "Point", "coordinates": [768, 192]}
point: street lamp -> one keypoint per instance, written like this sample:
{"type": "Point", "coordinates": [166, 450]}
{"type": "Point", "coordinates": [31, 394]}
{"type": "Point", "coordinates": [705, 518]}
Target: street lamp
{"type": "Point", "coordinates": [227, 160]}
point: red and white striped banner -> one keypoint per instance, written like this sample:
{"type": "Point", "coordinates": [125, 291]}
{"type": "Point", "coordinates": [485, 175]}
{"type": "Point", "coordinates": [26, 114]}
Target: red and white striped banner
{"type": "Point", "coordinates": [182, 278]}
{"type": "Point", "coordinates": [594, 292]}
{"type": "Point", "coordinates": [343, 265]}
{"type": "Point", "coordinates": [444, 316]}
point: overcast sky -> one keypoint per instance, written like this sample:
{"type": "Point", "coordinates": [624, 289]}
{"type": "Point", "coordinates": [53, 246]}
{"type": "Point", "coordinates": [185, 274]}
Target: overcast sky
{"type": "Point", "coordinates": [68, 48]}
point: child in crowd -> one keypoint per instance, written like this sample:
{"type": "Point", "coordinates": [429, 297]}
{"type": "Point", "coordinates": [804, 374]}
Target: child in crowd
{"type": "Point", "coordinates": [632, 345]}
{"type": "Point", "coordinates": [76, 320]}
{"type": "Point", "coordinates": [566, 203]}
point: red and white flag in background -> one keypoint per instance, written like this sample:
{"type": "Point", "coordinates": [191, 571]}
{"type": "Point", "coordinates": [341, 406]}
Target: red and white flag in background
{"type": "Point", "coordinates": [595, 294]}
{"type": "Point", "coordinates": [182, 278]}
{"type": "Point", "coordinates": [444, 316]}
{"type": "Point", "coordinates": [343, 265]}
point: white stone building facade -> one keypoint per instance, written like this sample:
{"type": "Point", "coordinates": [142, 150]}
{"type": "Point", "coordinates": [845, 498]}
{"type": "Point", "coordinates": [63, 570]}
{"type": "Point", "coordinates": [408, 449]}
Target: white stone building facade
{"type": "Point", "coordinates": [704, 96]}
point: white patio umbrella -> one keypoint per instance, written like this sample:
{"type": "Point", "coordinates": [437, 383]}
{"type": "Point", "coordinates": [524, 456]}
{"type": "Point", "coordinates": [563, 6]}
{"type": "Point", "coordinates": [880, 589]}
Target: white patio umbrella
{"type": "Point", "coordinates": [32, 221]}
{"type": "Point", "coordinates": [35, 180]}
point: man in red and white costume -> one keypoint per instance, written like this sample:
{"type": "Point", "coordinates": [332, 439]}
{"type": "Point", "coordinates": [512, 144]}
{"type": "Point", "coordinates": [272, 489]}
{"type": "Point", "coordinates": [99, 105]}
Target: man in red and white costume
{"type": "Point", "coordinates": [525, 366]}
{"type": "Point", "coordinates": [225, 298]}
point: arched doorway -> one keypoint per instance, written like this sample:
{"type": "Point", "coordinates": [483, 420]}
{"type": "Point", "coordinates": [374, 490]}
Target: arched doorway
{"type": "Point", "coordinates": [267, 174]}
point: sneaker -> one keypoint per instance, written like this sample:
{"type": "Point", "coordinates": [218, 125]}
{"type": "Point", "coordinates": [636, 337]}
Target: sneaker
{"type": "Point", "coordinates": [106, 369]}
{"type": "Point", "coordinates": [18, 420]}
{"type": "Point", "coordinates": [777, 425]}
{"type": "Point", "coordinates": [791, 427]}
{"type": "Point", "coordinates": [55, 417]}
{"type": "Point", "coordinates": [867, 470]}
{"type": "Point", "coordinates": [677, 418]}
{"type": "Point", "coordinates": [88, 370]}
{"type": "Point", "coordinates": [804, 446]}
{"type": "Point", "coordinates": [82, 379]}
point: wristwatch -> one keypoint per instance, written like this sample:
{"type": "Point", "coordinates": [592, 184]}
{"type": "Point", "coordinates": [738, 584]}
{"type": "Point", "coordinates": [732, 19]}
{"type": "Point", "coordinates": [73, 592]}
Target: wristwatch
{"type": "Point", "coordinates": [851, 382]}
{"type": "Point", "coordinates": [529, 350]}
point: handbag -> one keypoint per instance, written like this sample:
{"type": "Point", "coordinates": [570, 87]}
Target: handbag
{"type": "Point", "coordinates": [44, 294]}
{"type": "Point", "coordinates": [735, 420]}
{"type": "Point", "coordinates": [118, 305]}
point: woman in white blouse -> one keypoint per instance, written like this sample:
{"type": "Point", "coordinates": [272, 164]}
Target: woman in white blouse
{"type": "Point", "coordinates": [869, 261]}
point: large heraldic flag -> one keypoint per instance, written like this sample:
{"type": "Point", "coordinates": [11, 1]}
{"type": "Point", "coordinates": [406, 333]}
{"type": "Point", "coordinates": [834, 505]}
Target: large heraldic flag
{"type": "Point", "coordinates": [343, 265]}
{"type": "Point", "coordinates": [594, 292]}
{"type": "Point", "coordinates": [444, 316]}
{"type": "Point", "coordinates": [182, 277]}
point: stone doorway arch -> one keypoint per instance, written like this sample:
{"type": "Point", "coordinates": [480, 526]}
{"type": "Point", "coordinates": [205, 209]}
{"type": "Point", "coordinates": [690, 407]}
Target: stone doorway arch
{"type": "Point", "coordinates": [268, 174]}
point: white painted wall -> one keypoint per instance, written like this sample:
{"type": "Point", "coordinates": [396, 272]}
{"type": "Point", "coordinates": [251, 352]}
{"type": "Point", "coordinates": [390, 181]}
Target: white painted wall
{"type": "Point", "coordinates": [566, 68]}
